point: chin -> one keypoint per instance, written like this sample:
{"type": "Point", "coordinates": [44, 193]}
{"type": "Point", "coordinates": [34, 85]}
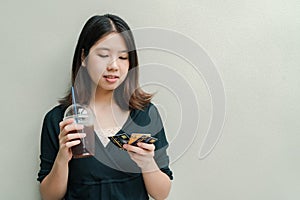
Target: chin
{"type": "Point", "coordinates": [109, 88]}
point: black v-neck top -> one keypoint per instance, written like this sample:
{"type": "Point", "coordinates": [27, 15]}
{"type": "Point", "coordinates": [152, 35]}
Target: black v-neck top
{"type": "Point", "coordinates": [110, 174]}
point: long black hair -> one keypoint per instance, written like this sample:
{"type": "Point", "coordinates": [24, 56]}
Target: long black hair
{"type": "Point", "coordinates": [128, 95]}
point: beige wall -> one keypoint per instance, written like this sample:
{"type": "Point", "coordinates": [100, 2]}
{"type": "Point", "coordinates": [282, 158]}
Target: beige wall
{"type": "Point", "coordinates": [255, 46]}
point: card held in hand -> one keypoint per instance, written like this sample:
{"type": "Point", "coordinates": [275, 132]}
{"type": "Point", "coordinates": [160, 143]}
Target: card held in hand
{"type": "Point", "coordinates": [141, 137]}
{"type": "Point", "coordinates": [120, 139]}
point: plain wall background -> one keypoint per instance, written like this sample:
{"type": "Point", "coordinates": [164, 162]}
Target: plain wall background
{"type": "Point", "coordinates": [255, 46]}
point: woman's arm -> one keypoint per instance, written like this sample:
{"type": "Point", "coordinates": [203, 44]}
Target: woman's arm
{"type": "Point", "coordinates": [157, 183]}
{"type": "Point", "coordinates": [54, 185]}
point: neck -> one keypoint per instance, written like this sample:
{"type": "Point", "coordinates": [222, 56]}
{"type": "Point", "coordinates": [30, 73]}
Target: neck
{"type": "Point", "coordinates": [102, 98]}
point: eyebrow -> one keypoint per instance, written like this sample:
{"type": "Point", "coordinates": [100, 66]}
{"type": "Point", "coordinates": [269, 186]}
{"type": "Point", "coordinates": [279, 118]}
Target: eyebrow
{"type": "Point", "coordinates": [107, 49]}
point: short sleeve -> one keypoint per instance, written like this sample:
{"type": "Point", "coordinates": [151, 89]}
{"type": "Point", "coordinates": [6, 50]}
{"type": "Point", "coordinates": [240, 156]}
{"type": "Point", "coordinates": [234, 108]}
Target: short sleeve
{"type": "Point", "coordinates": [161, 157]}
{"type": "Point", "coordinates": [49, 144]}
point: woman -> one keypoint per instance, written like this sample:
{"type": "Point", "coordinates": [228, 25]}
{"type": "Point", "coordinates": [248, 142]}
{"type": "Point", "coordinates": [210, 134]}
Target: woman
{"type": "Point", "coordinates": [105, 75]}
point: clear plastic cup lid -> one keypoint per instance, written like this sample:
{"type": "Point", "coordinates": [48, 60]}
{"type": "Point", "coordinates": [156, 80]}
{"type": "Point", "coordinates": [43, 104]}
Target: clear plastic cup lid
{"type": "Point", "coordinates": [81, 114]}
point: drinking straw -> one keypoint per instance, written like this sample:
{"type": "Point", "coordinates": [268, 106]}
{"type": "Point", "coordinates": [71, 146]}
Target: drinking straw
{"type": "Point", "coordinates": [74, 103]}
{"type": "Point", "coordinates": [76, 114]}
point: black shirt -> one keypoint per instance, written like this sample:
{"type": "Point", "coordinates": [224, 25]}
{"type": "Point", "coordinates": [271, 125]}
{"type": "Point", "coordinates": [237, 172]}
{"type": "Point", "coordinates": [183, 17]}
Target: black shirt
{"type": "Point", "coordinates": [110, 174]}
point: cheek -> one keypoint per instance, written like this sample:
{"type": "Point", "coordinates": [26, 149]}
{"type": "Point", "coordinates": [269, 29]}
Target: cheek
{"type": "Point", "coordinates": [95, 70]}
{"type": "Point", "coordinates": [124, 69]}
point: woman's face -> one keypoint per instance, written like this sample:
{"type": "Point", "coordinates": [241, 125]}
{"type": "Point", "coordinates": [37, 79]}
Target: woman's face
{"type": "Point", "coordinates": [108, 62]}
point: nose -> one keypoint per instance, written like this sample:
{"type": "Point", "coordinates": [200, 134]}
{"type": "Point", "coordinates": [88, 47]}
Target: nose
{"type": "Point", "coordinates": [113, 65]}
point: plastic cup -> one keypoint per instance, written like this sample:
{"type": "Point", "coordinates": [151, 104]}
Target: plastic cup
{"type": "Point", "coordinates": [82, 115]}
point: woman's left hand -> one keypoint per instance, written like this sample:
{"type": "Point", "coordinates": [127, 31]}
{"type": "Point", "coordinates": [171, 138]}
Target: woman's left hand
{"type": "Point", "coordinates": [142, 155]}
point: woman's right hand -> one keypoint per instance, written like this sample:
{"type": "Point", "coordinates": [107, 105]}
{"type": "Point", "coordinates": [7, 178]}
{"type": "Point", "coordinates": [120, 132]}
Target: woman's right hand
{"type": "Point", "coordinates": [67, 139]}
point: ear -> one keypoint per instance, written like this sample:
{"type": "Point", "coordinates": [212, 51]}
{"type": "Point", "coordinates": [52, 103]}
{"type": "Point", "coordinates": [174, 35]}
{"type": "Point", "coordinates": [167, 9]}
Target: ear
{"type": "Point", "coordinates": [83, 58]}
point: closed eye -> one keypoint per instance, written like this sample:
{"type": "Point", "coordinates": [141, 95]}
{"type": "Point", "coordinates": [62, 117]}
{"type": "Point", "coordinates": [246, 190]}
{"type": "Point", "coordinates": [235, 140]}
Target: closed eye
{"type": "Point", "coordinates": [103, 56]}
{"type": "Point", "coordinates": [123, 58]}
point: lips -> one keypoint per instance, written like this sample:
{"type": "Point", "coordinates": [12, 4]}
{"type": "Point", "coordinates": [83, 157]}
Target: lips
{"type": "Point", "coordinates": [111, 78]}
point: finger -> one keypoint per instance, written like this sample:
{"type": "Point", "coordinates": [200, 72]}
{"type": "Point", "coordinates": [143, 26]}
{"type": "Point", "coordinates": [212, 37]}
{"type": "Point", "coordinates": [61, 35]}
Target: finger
{"type": "Point", "coordinates": [134, 149]}
{"type": "Point", "coordinates": [71, 127]}
{"type": "Point", "coordinates": [72, 143]}
{"type": "Point", "coordinates": [130, 148]}
{"type": "Point", "coordinates": [73, 136]}
{"type": "Point", "coordinates": [148, 147]}
{"type": "Point", "coordinates": [65, 122]}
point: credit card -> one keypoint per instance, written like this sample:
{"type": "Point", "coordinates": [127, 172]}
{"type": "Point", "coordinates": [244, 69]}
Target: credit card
{"type": "Point", "coordinates": [141, 137]}
{"type": "Point", "coordinates": [120, 139]}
